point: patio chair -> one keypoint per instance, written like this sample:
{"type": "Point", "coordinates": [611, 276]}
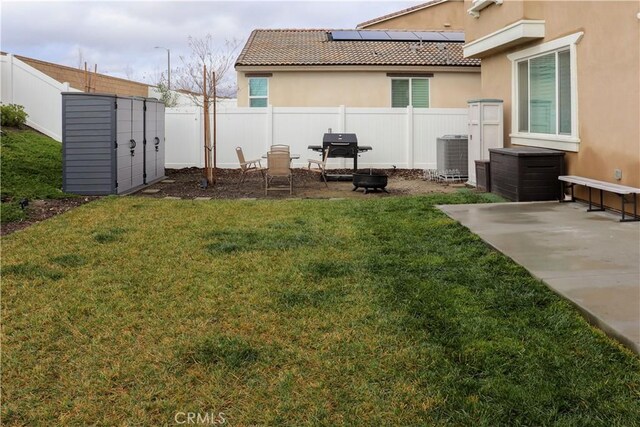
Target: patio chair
{"type": "Point", "coordinates": [279, 148]}
{"type": "Point", "coordinates": [321, 166]}
{"type": "Point", "coordinates": [278, 166]}
{"type": "Point", "coordinates": [247, 166]}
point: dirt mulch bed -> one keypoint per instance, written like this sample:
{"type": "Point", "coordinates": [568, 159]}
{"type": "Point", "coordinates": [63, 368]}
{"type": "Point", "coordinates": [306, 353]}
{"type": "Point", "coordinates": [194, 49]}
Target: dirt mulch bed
{"type": "Point", "coordinates": [185, 184]}
{"type": "Point", "coordinates": [39, 210]}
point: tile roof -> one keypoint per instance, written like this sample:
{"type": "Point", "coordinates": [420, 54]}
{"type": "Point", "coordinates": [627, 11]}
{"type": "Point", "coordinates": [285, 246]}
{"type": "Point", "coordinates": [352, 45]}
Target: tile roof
{"type": "Point", "coordinates": [313, 47]}
{"type": "Point", "coordinates": [399, 13]}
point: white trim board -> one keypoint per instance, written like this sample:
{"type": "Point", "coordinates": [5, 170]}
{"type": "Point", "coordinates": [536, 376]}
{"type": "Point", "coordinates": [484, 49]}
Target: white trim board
{"type": "Point", "coordinates": [546, 141]}
{"type": "Point", "coordinates": [546, 47]}
{"type": "Point", "coordinates": [521, 31]}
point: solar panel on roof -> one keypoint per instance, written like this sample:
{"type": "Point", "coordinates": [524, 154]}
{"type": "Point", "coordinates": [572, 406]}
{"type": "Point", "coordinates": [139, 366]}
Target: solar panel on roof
{"type": "Point", "coordinates": [345, 35]}
{"type": "Point", "coordinates": [404, 36]}
{"type": "Point", "coordinates": [430, 36]}
{"type": "Point", "coordinates": [397, 36]}
{"type": "Point", "coordinates": [454, 36]}
{"type": "Point", "coordinates": [375, 35]}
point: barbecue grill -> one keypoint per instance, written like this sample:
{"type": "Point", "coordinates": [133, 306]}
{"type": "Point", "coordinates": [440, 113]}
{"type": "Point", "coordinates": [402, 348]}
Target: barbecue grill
{"type": "Point", "coordinates": [343, 145]}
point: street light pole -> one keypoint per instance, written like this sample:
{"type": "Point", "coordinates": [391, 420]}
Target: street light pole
{"type": "Point", "coordinates": [168, 65]}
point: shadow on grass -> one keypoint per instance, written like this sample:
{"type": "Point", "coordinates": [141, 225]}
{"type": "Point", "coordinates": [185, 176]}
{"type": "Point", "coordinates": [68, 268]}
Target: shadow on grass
{"type": "Point", "coordinates": [109, 236]}
{"type": "Point", "coordinates": [69, 260]}
{"type": "Point", "coordinates": [32, 271]}
{"type": "Point", "coordinates": [279, 236]}
{"type": "Point", "coordinates": [231, 352]}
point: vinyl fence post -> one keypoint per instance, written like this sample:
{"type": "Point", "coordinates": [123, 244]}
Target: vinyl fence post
{"type": "Point", "coordinates": [10, 91]}
{"type": "Point", "coordinates": [269, 127]}
{"type": "Point", "coordinates": [199, 133]}
{"type": "Point", "coordinates": [342, 119]}
{"type": "Point", "coordinates": [409, 140]}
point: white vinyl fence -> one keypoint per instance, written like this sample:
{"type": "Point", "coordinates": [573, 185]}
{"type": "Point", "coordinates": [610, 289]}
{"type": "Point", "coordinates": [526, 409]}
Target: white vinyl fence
{"type": "Point", "coordinates": [39, 94]}
{"type": "Point", "coordinates": [405, 138]}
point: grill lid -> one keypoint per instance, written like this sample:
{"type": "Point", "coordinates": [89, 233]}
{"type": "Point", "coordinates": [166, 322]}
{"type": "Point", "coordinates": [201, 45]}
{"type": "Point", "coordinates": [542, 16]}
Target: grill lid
{"type": "Point", "coordinates": [339, 138]}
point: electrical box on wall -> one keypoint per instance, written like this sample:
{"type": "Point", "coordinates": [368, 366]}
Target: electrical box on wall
{"type": "Point", "coordinates": [617, 174]}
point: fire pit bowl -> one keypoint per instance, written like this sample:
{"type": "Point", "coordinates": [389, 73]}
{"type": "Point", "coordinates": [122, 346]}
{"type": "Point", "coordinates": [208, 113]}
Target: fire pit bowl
{"type": "Point", "coordinates": [370, 180]}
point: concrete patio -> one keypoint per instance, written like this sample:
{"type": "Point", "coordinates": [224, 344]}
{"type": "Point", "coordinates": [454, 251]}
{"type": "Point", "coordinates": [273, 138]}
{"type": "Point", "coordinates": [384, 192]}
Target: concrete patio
{"type": "Point", "coordinates": [590, 258]}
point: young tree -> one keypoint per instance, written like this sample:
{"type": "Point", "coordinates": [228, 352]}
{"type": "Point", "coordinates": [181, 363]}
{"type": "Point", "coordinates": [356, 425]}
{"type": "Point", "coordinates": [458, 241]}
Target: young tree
{"type": "Point", "coordinates": [204, 74]}
{"type": "Point", "coordinates": [219, 60]}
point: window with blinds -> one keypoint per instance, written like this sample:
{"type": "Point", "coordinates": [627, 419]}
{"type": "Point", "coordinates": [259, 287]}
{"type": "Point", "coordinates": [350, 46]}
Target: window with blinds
{"type": "Point", "coordinates": [410, 91]}
{"type": "Point", "coordinates": [544, 94]}
{"type": "Point", "coordinates": [258, 92]}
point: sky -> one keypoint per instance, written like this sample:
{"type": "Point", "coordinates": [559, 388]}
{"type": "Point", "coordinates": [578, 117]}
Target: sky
{"type": "Point", "coordinates": [120, 36]}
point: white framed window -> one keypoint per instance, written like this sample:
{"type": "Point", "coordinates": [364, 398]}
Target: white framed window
{"type": "Point", "coordinates": [545, 95]}
{"type": "Point", "coordinates": [258, 91]}
{"type": "Point", "coordinates": [410, 91]}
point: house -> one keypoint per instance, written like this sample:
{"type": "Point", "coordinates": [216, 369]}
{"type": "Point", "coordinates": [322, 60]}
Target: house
{"type": "Point", "coordinates": [569, 75]}
{"type": "Point", "coordinates": [432, 15]}
{"type": "Point", "coordinates": [355, 68]}
{"type": "Point", "coordinates": [411, 57]}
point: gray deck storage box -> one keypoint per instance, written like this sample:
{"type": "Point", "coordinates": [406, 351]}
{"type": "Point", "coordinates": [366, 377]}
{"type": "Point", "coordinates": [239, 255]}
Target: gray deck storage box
{"type": "Point", "coordinates": [104, 148]}
{"type": "Point", "coordinates": [526, 174]}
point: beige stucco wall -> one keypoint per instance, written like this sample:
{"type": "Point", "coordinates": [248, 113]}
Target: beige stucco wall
{"type": "Point", "coordinates": [430, 18]}
{"type": "Point", "coordinates": [357, 88]}
{"type": "Point", "coordinates": [492, 18]}
{"type": "Point", "coordinates": [608, 73]}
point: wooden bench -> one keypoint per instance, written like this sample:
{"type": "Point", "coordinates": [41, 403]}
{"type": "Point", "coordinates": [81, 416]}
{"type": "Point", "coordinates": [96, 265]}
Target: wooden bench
{"type": "Point", "coordinates": [622, 190]}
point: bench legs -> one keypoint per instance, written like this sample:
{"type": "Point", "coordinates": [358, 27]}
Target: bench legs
{"type": "Point", "coordinates": [601, 208]}
{"type": "Point", "coordinates": [562, 187]}
{"type": "Point", "coordinates": [635, 208]}
{"type": "Point", "coordinates": [625, 217]}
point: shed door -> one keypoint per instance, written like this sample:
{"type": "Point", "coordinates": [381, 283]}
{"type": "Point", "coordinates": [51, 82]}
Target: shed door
{"type": "Point", "coordinates": [137, 118]}
{"type": "Point", "coordinates": [150, 157]}
{"type": "Point", "coordinates": [130, 173]}
{"type": "Point", "coordinates": [491, 127]}
{"type": "Point", "coordinates": [161, 143]}
{"type": "Point", "coordinates": [124, 158]}
{"type": "Point", "coordinates": [475, 142]}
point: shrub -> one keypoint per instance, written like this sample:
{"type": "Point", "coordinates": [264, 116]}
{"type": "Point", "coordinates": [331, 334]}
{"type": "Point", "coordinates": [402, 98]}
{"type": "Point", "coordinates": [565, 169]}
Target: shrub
{"type": "Point", "coordinates": [10, 212]}
{"type": "Point", "coordinates": [13, 115]}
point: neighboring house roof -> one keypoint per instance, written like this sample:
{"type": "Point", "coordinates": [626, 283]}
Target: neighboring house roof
{"type": "Point", "coordinates": [400, 13]}
{"type": "Point", "coordinates": [314, 47]}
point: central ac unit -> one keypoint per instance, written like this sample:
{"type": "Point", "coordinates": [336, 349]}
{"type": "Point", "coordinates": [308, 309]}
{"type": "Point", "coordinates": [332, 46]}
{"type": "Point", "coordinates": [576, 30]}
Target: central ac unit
{"type": "Point", "coordinates": [452, 154]}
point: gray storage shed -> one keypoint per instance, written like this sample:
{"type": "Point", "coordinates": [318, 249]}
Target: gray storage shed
{"type": "Point", "coordinates": [111, 144]}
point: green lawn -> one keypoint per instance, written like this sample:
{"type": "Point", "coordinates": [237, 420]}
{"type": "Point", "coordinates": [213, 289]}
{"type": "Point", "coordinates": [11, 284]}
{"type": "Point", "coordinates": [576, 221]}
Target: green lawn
{"type": "Point", "coordinates": [127, 311]}
{"type": "Point", "coordinates": [31, 167]}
